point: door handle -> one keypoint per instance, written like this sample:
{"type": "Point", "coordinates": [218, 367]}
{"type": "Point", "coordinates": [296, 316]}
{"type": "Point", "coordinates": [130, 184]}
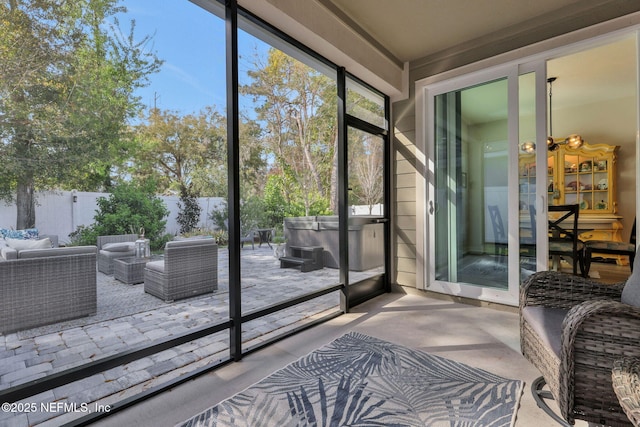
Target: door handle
{"type": "Point", "coordinates": [431, 207]}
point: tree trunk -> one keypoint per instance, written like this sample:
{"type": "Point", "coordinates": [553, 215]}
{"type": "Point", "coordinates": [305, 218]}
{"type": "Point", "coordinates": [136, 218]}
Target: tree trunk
{"type": "Point", "coordinates": [26, 204]}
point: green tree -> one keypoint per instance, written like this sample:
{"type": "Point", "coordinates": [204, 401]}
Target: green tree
{"type": "Point", "coordinates": [190, 151]}
{"type": "Point", "coordinates": [173, 147]}
{"type": "Point", "coordinates": [66, 91]}
{"type": "Point", "coordinates": [297, 105]}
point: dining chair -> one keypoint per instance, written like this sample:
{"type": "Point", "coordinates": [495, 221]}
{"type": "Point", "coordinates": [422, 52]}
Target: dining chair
{"type": "Point", "coordinates": [610, 248]}
{"type": "Point", "coordinates": [499, 235]}
{"type": "Point", "coordinates": [528, 240]}
{"type": "Point", "coordinates": [563, 235]}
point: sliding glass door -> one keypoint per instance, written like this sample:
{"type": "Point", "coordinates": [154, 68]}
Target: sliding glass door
{"type": "Point", "coordinates": [473, 211]}
{"type": "Point", "coordinates": [471, 186]}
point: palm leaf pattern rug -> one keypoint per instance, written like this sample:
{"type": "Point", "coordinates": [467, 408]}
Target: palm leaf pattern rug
{"type": "Point", "coordinates": [358, 380]}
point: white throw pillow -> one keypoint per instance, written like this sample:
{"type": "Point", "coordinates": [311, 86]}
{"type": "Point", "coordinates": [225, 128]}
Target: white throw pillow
{"type": "Point", "coordinates": [119, 247]}
{"type": "Point", "coordinates": [19, 244]}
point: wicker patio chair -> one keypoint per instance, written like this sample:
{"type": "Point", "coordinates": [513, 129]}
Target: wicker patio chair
{"type": "Point", "coordinates": [106, 257]}
{"type": "Point", "coordinates": [626, 384]}
{"type": "Point", "coordinates": [189, 268]}
{"type": "Point", "coordinates": [573, 329]}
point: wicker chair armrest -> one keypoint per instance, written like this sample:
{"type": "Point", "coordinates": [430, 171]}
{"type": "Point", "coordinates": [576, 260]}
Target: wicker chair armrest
{"type": "Point", "coordinates": [626, 384]}
{"type": "Point", "coordinates": [564, 290]}
{"type": "Point", "coordinates": [595, 334]}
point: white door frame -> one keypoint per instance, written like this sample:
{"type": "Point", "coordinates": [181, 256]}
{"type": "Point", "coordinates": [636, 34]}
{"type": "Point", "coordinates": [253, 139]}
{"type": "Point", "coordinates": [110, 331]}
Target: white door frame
{"type": "Point", "coordinates": [427, 88]}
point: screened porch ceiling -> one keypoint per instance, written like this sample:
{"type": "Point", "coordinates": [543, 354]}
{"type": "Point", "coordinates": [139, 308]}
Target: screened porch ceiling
{"type": "Point", "coordinates": [440, 34]}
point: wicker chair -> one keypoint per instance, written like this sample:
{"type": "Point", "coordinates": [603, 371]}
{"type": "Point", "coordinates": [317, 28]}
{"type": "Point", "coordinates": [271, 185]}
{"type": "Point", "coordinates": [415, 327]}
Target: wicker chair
{"type": "Point", "coordinates": [573, 329]}
{"type": "Point", "coordinates": [626, 384]}
{"type": "Point", "coordinates": [189, 268]}
{"type": "Point", "coordinates": [105, 258]}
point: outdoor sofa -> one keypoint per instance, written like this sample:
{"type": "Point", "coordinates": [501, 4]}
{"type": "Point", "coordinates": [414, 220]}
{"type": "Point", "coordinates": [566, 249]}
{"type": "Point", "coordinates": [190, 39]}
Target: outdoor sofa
{"type": "Point", "coordinates": [43, 286]}
{"type": "Point", "coordinates": [188, 268]}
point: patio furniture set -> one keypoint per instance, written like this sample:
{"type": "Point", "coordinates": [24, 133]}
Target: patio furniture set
{"type": "Point", "coordinates": [43, 283]}
{"type": "Point", "coordinates": [188, 267]}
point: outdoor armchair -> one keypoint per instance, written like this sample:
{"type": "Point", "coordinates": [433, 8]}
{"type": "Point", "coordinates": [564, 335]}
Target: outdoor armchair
{"type": "Point", "coordinates": [573, 329]}
{"type": "Point", "coordinates": [113, 247]}
{"type": "Point", "coordinates": [188, 268]}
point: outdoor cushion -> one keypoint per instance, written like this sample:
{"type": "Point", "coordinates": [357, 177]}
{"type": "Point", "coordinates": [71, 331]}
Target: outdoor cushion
{"type": "Point", "coordinates": [8, 252]}
{"type": "Point", "coordinates": [29, 233]}
{"type": "Point", "coordinates": [631, 291]}
{"type": "Point", "coordinates": [200, 237]}
{"type": "Point", "coordinates": [156, 266]}
{"type": "Point", "coordinates": [19, 244]}
{"type": "Point", "coordinates": [189, 242]}
{"type": "Point", "coordinates": [119, 247]}
{"type": "Point", "coordinates": [547, 324]}
{"type": "Point", "coordinates": [52, 252]}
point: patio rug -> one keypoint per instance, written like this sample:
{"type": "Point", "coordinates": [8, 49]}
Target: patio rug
{"type": "Point", "coordinates": [361, 380]}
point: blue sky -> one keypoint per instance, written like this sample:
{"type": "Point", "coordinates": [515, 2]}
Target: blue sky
{"type": "Point", "coordinates": [191, 42]}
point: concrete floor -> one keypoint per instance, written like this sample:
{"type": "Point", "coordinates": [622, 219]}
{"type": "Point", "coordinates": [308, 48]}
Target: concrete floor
{"type": "Point", "coordinates": [484, 337]}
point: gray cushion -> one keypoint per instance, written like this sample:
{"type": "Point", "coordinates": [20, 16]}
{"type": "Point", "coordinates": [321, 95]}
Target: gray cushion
{"type": "Point", "coordinates": [631, 291]}
{"type": "Point", "coordinates": [156, 266]}
{"type": "Point", "coordinates": [119, 247]}
{"type": "Point", "coordinates": [114, 255]}
{"type": "Point", "coordinates": [70, 250]}
{"type": "Point", "coordinates": [190, 242]}
{"type": "Point", "coordinates": [547, 324]}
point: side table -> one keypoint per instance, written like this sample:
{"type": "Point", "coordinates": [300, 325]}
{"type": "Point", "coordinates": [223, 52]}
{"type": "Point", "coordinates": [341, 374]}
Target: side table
{"type": "Point", "coordinates": [129, 270]}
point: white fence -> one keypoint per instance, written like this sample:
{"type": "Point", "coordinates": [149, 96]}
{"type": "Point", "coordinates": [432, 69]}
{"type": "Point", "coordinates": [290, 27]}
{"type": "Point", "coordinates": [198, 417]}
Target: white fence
{"type": "Point", "coordinates": [61, 212]}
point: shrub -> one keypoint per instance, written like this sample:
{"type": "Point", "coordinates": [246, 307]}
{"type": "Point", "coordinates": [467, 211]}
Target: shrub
{"type": "Point", "coordinates": [158, 244]}
{"type": "Point", "coordinates": [222, 237]}
{"type": "Point", "coordinates": [83, 235]}
{"type": "Point", "coordinates": [189, 214]}
{"type": "Point", "coordinates": [129, 208]}
{"type": "Point", "coordinates": [252, 215]}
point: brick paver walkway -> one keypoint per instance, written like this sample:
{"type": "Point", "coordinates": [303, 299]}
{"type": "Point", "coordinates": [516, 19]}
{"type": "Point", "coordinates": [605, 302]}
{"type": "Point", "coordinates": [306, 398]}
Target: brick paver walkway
{"type": "Point", "coordinates": [128, 318]}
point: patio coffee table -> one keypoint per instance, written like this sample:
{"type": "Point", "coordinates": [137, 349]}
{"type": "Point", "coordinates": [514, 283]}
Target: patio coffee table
{"type": "Point", "coordinates": [129, 270]}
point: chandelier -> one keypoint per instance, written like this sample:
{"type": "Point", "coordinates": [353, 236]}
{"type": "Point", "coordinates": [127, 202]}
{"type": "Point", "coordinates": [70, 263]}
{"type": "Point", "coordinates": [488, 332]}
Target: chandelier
{"type": "Point", "coordinates": [574, 140]}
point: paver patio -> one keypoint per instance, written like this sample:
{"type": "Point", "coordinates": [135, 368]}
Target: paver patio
{"type": "Point", "coordinates": [128, 318]}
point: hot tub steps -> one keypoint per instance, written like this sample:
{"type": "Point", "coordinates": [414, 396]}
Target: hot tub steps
{"type": "Point", "coordinates": [308, 258]}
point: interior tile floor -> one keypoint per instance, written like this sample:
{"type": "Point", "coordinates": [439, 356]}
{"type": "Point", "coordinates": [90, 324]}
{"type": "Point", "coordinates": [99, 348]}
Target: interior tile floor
{"type": "Point", "coordinates": [485, 336]}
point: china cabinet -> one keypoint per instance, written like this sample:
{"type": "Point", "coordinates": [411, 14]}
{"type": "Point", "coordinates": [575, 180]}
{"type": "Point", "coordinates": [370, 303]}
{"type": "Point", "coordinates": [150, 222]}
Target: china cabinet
{"type": "Point", "coordinates": [586, 176]}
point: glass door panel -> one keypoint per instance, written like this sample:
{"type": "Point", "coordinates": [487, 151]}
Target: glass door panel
{"type": "Point", "coordinates": [366, 203]}
{"type": "Point", "coordinates": [471, 169]}
{"type": "Point", "coordinates": [527, 173]}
